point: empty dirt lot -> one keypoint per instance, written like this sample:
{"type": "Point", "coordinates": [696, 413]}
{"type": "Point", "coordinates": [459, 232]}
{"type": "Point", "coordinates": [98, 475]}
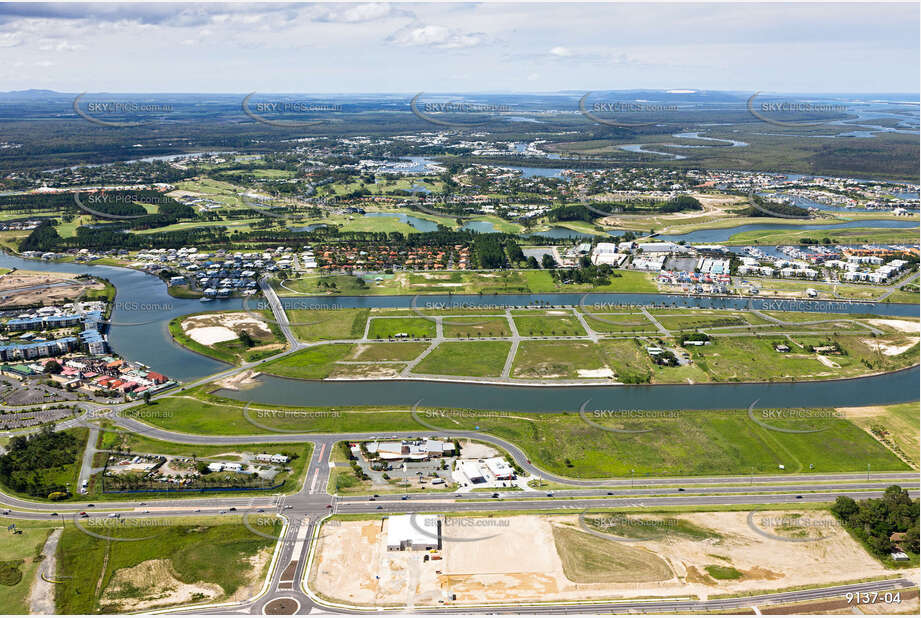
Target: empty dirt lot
{"type": "Point", "coordinates": [521, 561]}
{"type": "Point", "coordinates": [24, 288]}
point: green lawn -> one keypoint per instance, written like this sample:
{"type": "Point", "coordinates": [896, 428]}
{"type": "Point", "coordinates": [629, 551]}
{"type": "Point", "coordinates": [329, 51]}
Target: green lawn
{"type": "Point", "coordinates": [311, 364]}
{"type": "Point", "coordinates": [556, 359]}
{"type": "Point", "coordinates": [211, 550]}
{"type": "Point", "coordinates": [625, 323]}
{"type": "Point", "coordinates": [629, 360]}
{"type": "Point", "coordinates": [385, 328]}
{"type": "Point", "coordinates": [319, 324]}
{"type": "Point", "coordinates": [896, 426]}
{"type": "Point", "coordinates": [212, 415]}
{"type": "Point", "coordinates": [466, 358]}
{"type": "Point", "coordinates": [398, 351]}
{"type": "Point", "coordinates": [476, 327]}
{"type": "Point", "coordinates": [542, 324]}
{"type": "Point", "coordinates": [689, 442]}
{"type": "Point", "coordinates": [19, 552]}
{"type": "Point", "coordinates": [739, 359]}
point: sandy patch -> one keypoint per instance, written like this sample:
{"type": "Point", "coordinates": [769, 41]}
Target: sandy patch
{"type": "Point", "coordinates": [902, 325]}
{"type": "Point", "coordinates": [518, 561]}
{"type": "Point", "coordinates": [828, 362]}
{"type": "Point", "coordinates": [890, 349]}
{"type": "Point", "coordinates": [477, 450]}
{"type": "Point", "coordinates": [211, 328]}
{"type": "Point", "coordinates": [152, 584]}
{"type": "Point", "coordinates": [239, 380]}
{"type": "Point", "coordinates": [596, 373]}
{"type": "Point", "coordinates": [209, 335]}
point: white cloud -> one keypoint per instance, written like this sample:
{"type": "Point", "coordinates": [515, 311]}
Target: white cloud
{"type": "Point", "coordinates": [436, 36]}
{"type": "Point", "coordinates": [561, 52]}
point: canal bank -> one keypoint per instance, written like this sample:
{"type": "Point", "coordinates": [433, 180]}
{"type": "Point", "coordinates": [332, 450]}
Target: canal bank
{"type": "Point", "coordinates": [139, 332]}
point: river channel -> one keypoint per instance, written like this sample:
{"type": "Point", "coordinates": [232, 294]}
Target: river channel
{"type": "Point", "coordinates": [143, 309]}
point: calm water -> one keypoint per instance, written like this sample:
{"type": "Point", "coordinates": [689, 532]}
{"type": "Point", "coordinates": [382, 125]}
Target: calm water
{"type": "Point", "coordinates": [889, 388]}
{"type": "Point", "coordinates": [724, 234]}
{"type": "Point", "coordinates": [143, 310]}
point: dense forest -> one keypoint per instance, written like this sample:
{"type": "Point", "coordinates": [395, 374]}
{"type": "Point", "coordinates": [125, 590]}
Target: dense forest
{"type": "Point", "coordinates": [29, 459]}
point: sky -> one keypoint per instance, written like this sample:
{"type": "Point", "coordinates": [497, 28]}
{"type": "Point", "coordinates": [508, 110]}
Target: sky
{"type": "Point", "coordinates": [458, 47]}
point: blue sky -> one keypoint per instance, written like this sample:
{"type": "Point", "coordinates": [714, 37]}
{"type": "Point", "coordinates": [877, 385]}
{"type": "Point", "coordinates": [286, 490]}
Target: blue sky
{"type": "Point", "coordinates": [459, 47]}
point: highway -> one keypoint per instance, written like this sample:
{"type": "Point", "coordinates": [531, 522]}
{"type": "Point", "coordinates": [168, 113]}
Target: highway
{"type": "Point", "coordinates": [304, 510]}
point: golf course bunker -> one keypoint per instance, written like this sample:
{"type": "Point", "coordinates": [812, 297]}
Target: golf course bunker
{"type": "Point", "coordinates": [531, 558]}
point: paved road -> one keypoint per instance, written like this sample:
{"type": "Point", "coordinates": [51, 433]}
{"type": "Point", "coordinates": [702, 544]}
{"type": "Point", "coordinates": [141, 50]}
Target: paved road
{"type": "Point", "coordinates": [304, 509]}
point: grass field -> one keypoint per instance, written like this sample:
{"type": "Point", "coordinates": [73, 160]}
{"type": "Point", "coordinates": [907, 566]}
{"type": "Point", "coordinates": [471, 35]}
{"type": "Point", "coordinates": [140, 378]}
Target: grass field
{"type": "Point", "coordinates": [310, 364]}
{"type": "Point", "coordinates": [540, 324]}
{"type": "Point", "coordinates": [321, 324]}
{"type": "Point", "coordinates": [401, 351]}
{"type": "Point", "coordinates": [896, 426]}
{"type": "Point", "coordinates": [417, 328]}
{"type": "Point", "coordinates": [625, 323]}
{"type": "Point", "coordinates": [556, 359]}
{"type": "Point", "coordinates": [689, 443]}
{"type": "Point", "coordinates": [588, 559]}
{"type": "Point", "coordinates": [110, 576]}
{"type": "Point", "coordinates": [466, 358]}
{"type": "Point", "coordinates": [476, 327]}
{"type": "Point", "coordinates": [19, 554]}
{"type": "Point", "coordinates": [738, 359]}
{"type": "Point", "coordinates": [463, 282]}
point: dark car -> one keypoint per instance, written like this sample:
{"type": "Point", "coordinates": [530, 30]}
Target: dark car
{"type": "Point", "coordinates": [404, 498]}
{"type": "Point", "coordinates": [379, 507]}
{"type": "Point", "coordinates": [681, 489]}
{"type": "Point", "coordinates": [233, 508]}
{"type": "Point", "coordinates": [799, 497]}
{"type": "Point", "coordinates": [495, 495]}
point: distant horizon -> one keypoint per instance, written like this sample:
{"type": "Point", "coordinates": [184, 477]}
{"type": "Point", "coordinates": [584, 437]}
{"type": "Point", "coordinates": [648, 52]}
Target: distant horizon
{"type": "Point", "coordinates": [564, 91]}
